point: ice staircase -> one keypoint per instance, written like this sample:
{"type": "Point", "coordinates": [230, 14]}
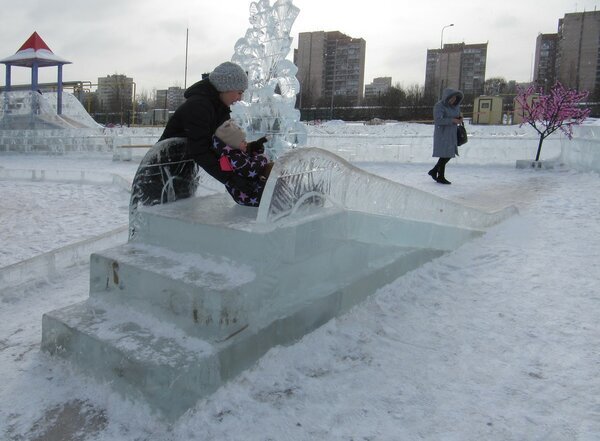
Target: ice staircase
{"type": "Point", "coordinates": [207, 287]}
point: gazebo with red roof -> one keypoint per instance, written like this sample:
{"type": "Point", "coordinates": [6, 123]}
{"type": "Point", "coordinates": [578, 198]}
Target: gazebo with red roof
{"type": "Point", "coordinates": [35, 53]}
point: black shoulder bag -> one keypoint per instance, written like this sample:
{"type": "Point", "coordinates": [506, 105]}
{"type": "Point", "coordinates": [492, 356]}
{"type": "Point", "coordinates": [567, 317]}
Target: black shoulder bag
{"type": "Point", "coordinates": [461, 134]}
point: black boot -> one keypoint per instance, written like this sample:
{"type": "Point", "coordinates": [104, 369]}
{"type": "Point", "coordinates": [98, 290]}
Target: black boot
{"type": "Point", "coordinates": [433, 173]}
{"type": "Point", "coordinates": [441, 170]}
{"type": "Point", "coordinates": [442, 180]}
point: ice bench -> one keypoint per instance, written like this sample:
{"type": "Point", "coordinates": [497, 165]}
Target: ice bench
{"type": "Point", "coordinates": [125, 146]}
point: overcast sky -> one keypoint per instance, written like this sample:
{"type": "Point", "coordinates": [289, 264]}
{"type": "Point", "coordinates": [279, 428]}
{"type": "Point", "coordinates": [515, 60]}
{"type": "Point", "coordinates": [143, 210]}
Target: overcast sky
{"type": "Point", "coordinates": [145, 39]}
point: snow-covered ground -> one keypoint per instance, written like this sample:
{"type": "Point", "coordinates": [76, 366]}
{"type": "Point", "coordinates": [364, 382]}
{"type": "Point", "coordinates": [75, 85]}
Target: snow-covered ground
{"type": "Point", "coordinates": [498, 340]}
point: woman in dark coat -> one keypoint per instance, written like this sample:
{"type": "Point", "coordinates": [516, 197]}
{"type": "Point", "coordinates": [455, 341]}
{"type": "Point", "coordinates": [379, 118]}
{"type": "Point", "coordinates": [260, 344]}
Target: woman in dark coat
{"type": "Point", "coordinates": [446, 116]}
{"type": "Point", "coordinates": [168, 172]}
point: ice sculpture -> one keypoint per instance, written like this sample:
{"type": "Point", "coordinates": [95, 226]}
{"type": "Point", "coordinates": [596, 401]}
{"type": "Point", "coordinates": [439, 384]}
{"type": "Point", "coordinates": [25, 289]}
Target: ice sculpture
{"type": "Point", "coordinates": [164, 175]}
{"type": "Point", "coordinates": [205, 289]}
{"type": "Point", "coordinates": [31, 110]}
{"type": "Point", "coordinates": [268, 106]}
{"type": "Point", "coordinates": [307, 178]}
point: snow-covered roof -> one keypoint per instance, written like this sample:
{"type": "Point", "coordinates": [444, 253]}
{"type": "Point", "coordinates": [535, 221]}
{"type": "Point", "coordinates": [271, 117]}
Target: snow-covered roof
{"type": "Point", "coordinates": [34, 49]}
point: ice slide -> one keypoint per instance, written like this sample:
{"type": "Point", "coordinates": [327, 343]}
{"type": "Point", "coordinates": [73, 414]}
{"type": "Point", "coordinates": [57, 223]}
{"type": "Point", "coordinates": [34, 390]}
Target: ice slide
{"type": "Point", "coordinates": [206, 287]}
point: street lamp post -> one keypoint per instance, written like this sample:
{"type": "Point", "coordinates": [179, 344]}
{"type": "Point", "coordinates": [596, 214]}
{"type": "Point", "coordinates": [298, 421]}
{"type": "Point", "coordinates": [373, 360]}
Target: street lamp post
{"type": "Point", "coordinates": [442, 36]}
{"type": "Point", "coordinates": [439, 61]}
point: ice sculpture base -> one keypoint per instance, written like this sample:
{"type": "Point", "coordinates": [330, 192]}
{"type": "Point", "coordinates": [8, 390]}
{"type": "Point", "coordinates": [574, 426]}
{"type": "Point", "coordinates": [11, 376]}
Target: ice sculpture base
{"type": "Point", "coordinates": [205, 290]}
{"type": "Point", "coordinates": [527, 163]}
{"type": "Point", "coordinates": [206, 287]}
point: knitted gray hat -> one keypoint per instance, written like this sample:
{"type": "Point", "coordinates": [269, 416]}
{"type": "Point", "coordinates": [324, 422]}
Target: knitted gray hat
{"type": "Point", "coordinates": [228, 76]}
{"type": "Point", "coordinates": [231, 134]}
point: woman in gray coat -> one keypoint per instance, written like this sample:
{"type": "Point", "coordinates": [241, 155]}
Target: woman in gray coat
{"type": "Point", "coordinates": [446, 116]}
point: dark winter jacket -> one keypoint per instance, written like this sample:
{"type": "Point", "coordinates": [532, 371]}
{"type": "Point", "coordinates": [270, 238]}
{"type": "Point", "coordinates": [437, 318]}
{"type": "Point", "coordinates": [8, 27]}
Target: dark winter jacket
{"type": "Point", "coordinates": [197, 120]}
{"type": "Point", "coordinates": [444, 132]}
{"type": "Point", "coordinates": [248, 166]}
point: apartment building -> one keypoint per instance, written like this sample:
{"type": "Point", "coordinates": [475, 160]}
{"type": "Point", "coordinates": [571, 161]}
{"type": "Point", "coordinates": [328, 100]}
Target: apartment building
{"type": "Point", "coordinates": [544, 70]}
{"type": "Point", "coordinates": [170, 98]}
{"type": "Point", "coordinates": [331, 66]}
{"type": "Point", "coordinates": [379, 86]}
{"type": "Point", "coordinates": [458, 66]}
{"type": "Point", "coordinates": [571, 55]}
{"type": "Point", "coordinates": [577, 60]}
{"type": "Point", "coordinates": [115, 93]}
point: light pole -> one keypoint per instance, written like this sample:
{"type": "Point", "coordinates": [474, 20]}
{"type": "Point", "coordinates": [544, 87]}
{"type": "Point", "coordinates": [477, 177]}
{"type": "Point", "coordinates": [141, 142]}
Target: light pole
{"type": "Point", "coordinates": [442, 37]}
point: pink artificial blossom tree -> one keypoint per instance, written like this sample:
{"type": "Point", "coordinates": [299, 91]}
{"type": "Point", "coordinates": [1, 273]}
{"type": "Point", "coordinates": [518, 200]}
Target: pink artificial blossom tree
{"type": "Point", "coordinates": [547, 113]}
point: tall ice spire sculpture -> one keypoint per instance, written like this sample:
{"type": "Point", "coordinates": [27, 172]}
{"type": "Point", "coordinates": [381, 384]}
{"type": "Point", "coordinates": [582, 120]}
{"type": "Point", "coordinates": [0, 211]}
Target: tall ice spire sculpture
{"type": "Point", "coordinates": [268, 106]}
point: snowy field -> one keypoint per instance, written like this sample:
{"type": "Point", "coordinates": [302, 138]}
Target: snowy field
{"type": "Point", "coordinates": [498, 340]}
{"type": "Point", "coordinates": [38, 217]}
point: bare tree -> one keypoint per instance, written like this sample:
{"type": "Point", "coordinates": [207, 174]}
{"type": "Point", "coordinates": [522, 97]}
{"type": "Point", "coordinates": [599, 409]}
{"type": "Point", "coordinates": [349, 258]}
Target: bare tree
{"type": "Point", "coordinates": [494, 86]}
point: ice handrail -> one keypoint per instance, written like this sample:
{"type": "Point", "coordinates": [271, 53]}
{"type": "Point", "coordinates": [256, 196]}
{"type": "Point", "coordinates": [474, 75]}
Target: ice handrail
{"type": "Point", "coordinates": [309, 172]}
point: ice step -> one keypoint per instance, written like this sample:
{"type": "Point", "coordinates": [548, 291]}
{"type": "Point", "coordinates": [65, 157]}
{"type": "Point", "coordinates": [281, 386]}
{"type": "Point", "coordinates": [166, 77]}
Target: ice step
{"type": "Point", "coordinates": [146, 357]}
{"type": "Point", "coordinates": [199, 293]}
{"type": "Point", "coordinates": [212, 297]}
{"type": "Point", "coordinates": [138, 355]}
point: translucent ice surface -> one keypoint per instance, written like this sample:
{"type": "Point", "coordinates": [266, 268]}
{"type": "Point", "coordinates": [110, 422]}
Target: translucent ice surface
{"type": "Point", "coordinates": [309, 177]}
{"type": "Point", "coordinates": [268, 106]}
{"type": "Point", "coordinates": [21, 110]}
{"type": "Point", "coordinates": [164, 175]}
{"type": "Point", "coordinates": [72, 109]}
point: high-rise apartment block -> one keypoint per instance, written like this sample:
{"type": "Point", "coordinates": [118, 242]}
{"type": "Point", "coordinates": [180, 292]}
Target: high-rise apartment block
{"type": "Point", "coordinates": [330, 65]}
{"type": "Point", "coordinates": [578, 63]}
{"type": "Point", "coordinates": [458, 66]}
{"type": "Point", "coordinates": [571, 56]}
{"type": "Point", "coordinates": [379, 86]}
{"type": "Point", "coordinates": [115, 93]}
{"type": "Point", "coordinates": [170, 98]}
{"type": "Point", "coordinates": [544, 71]}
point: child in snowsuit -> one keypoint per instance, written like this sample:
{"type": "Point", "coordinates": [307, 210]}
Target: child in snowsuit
{"type": "Point", "coordinates": [244, 159]}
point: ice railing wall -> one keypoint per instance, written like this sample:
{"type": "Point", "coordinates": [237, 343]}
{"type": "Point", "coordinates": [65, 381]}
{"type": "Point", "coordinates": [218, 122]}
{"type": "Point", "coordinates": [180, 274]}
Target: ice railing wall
{"type": "Point", "coordinates": [583, 151]}
{"type": "Point", "coordinates": [22, 103]}
{"type": "Point", "coordinates": [411, 142]}
{"type": "Point", "coordinates": [27, 109]}
{"type": "Point", "coordinates": [55, 141]}
{"type": "Point", "coordinates": [29, 124]}
{"type": "Point", "coordinates": [310, 177]}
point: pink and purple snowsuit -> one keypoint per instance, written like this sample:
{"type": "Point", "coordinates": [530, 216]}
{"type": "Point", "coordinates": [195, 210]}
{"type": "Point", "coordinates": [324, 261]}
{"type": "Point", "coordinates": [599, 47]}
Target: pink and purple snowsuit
{"type": "Point", "coordinates": [248, 166]}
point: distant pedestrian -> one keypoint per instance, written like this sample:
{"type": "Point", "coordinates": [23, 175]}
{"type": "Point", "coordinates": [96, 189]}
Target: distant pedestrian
{"type": "Point", "coordinates": [446, 116]}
